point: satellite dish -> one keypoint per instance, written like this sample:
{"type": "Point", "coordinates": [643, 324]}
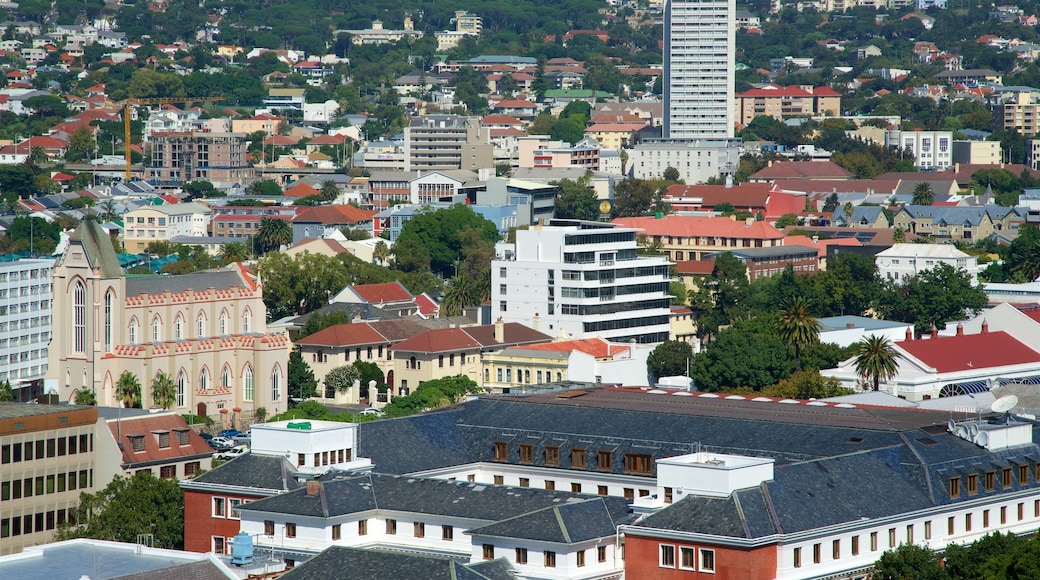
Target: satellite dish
{"type": "Point", "coordinates": [982, 439]}
{"type": "Point", "coordinates": [962, 432]}
{"type": "Point", "coordinates": [973, 430]}
{"type": "Point", "coordinates": [951, 426]}
{"type": "Point", "coordinates": [1004, 404]}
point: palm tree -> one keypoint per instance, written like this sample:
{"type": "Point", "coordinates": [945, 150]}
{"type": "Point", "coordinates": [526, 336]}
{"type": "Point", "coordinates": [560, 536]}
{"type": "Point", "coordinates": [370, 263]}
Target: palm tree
{"type": "Point", "coordinates": [164, 392]}
{"type": "Point", "coordinates": [798, 328]}
{"type": "Point", "coordinates": [458, 294]}
{"type": "Point", "coordinates": [923, 194]}
{"type": "Point", "coordinates": [6, 393]}
{"type": "Point", "coordinates": [234, 252]}
{"type": "Point", "coordinates": [128, 389]}
{"type": "Point", "coordinates": [272, 234]}
{"type": "Point", "coordinates": [381, 252]}
{"type": "Point", "coordinates": [847, 210]}
{"type": "Point", "coordinates": [86, 398]}
{"type": "Point", "coordinates": [876, 359]}
{"type": "Point", "coordinates": [329, 190]}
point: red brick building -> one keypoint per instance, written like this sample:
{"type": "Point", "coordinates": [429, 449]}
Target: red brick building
{"type": "Point", "coordinates": [653, 557]}
{"type": "Point", "coordinates": [765, 198]}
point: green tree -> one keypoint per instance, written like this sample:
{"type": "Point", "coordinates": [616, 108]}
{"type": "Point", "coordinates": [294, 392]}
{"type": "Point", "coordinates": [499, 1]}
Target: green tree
{"type": "Point", "coordinates": [86, 397]}
{"type": "Point", "coordinates": [830, 205]}
{"type": "Point", "coordinates": [234, 252]}
{"type": "Point", "coordinates": [933, 298]}
{"type": "Point", "coordinates": [1023, 261]}
{"type": "Point", "coordinates": [380, 252]}
{"type": "Point", "coordinates": [318, 321]}
{"type": "Point", "coordinates": [302, 384]}
{"type": "Point", "coordinates": [876, 359]}
{"type": "Point", "coordinates": [460, 292]}
{"type": "Point", "coordinates": [164, 391]}
{"type": "Point", "coordinates": [671, 174]}
{"type": "Point", "coordinates": [438, 232]}
{"type": "Point", "coordinates": [81, 145]}
{"type": "Point", "coordinates": [128, 508]}
{"type": "Point", "coordinates": [273, 233]}
{"type": "Point", "coordinates": [787, 220]}
{"type": "Point", "coordinates": [300, 284]}
{"type": "Point", "coordinates": [7, 393]}
{"type": "Point", "coordinates": [340, 380]}
{"type": "Point", "coordinates": [576, 200]}
{"type": "Point", "coordinates": [670, 358]}
{"type": "Point", "coordinates": [636, 197]}
{"type": "Point", "coordinates": [431, 395]}
{"type": "Point", "coordinates": [368, 372]}
{"type": "Point", "coordinates": [200, 190]}
{"type": "Point", "coordinates": [128, 390]}
{"type": "Point", "coordinates": [741, 358]}
{"type": "Point", "coordinates": [908, 562]}
{"type": "Point", "coordinates": [569, 129]}
{"type": "Point", "coordinates": [260, 414]}
{"type": "Point", "coordinates": [807, 385]}
{"type": "Point", "coordinates": [923, 194]}
{"type": "Point", "coordinates": [798, 328]}
{"type": "Point", "coordinates": [264, 188]}
{"type": "Point", "coordinates": [329, 190]}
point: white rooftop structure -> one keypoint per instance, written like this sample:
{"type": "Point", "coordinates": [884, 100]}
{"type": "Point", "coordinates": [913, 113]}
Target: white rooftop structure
{"type": "Point", "coordinates": [905, 260]}
{"type": "Point", "coordinates": [314, 446]}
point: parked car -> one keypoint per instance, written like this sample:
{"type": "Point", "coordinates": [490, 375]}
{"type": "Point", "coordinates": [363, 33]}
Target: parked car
{"type": "Point", "coordinates": [221, 443]}
{"type": "Point", "coordinates": [232, 453]}
{"type": "Point", "coordinates": [229, 433]}
{"type": "Point", "coordinates": [370, 412]}
{"type": "Point", "coordinates": [205, 436]}
{"type": "Point", "coordinates": [242, 439]}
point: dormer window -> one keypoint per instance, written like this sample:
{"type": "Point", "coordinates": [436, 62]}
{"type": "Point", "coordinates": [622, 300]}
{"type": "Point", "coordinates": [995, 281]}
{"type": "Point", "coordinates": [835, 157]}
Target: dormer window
{"type": "Point", "coordinates": [136, 442]}
{"type": "Point", "coordinates": [162, 438]}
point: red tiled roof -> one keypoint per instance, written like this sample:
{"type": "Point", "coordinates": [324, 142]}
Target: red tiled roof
{"type": "Point", "coordinates": [740, 196]}
{"type": "Point", "coordinates": [687, 226]}
{"type": "Point", "coordinates": [382, 293]}
{"type": "Point", "coordinates": [616, 127]}
{"type": "Point", "coordinates": [334, 214]}
{"type": "Point", "coordinates": [803, 169]}
{"type": "Point", "coordinates": [821, 244]}
{"type": "Point", "coordinates": [301, 190]}
{"type": "Point", "coordinates": [327, 140]}
{"type": "Point", "coordinates": [970, 351]}
{"type": "Point", "coordinates": [500, 120]}
{"type": "Point", "coordinates": [427, 306]}
{"type": "Point", "coordinates": [344, 335]}
{"type": "Point", "coordinates": [121, 431]}
{"type": "Point", "coordinates": [327, 242]}
{"type": "Point", "coordinates": [440, 340]}
{"type": "Point", "coordinates": [790, 92]}
{"type": "Point", "coordinates": [1032, 311]}
{"type": "Point", "coordinates": [699, 267]}
{"type": "Point", "coordinates": [281, 141]}
{"type": "Point", "coordinates": [596, 347]}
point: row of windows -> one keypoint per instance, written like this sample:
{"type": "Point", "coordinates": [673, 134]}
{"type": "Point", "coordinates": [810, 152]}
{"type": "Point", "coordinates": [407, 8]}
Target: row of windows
{"type": "Point", "coordinates": [46, 484]}
{"type": "Point", "coordinates": [989, 480]}
{"type": "Point", "coordinates": [42, 448]}
{"type": "Point", "coordinates": [523, 376]}
{"type": "Point", "coordinates": [634, 462]}
{"type": "Point", "coordinates": [625, 323]}
{"type": "Point", "coordinates": [326, 457]}
{"type": "Point", "coordinates": [693, 559]}
{"type": "Point", "coordinates": [38, 522]}
{"type": "Point", "coordinates": [226, 507]}
{"type": "Point", "coordinates": [968, 520]}
{"type": "Point", "coordinates": [178, 326]}
{"type": "Point", "coordinates": [321, 356]}
{"type": "Point", "coordinates": [548, 556]}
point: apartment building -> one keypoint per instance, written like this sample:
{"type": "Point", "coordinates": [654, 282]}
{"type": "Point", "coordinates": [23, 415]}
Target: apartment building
{"type": "Point", "coordinates": [1021, 113]}
{"type": "Point", "coordinates": [232, 221]}
{"type": "Point", "coordinates": [447, 142]}
{"type": "Point", "coordinates": [48, 458]}
{"type": "Point", "coordinates": [699, 48]}
{"type": "Point", "coordinates": [696, 238]}
{"type": "Point", "coordinates": [177, 158]}
{"type": "Point", "coordinates": [25, 324]}
{"type": "Point", "coordinates": [155, 223]}
{"type": "Point", "coordinates": [931, 149]}
{"type": "Point", "coordinates": [584, 279]}
{"type": "Point", "coordinates": [785, 102]}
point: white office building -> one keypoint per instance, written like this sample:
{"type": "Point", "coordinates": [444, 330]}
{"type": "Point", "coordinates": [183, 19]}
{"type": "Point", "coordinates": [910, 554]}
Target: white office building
{"type": "Point", "coordinates": [581, 279]}
{"type": "Point", "coordinates": [25, 324]}
{"type": "Point", "coordinates": [902, 261]}
{"type": "Point", "coordinates": [699, 45]}
{"type": "Point", "coordinates": [931, 149]}
{"type": "Point", "coordinates": [697, 160]}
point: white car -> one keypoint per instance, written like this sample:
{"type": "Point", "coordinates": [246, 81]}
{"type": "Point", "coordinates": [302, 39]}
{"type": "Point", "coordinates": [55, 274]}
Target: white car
{"type": "Point", "coordinates": [232, 453]}
{"type": "Point", "coordinates": [370, 412]}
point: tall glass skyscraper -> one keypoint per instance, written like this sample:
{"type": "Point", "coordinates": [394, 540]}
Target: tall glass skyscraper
{"type": "Point", "coordinates": [699, 44]}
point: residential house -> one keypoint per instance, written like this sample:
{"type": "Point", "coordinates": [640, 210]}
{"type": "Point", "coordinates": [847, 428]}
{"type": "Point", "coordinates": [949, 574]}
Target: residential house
{"type": "Point", "coordinates": [695, 238]}
{"type": "Point", "coordinates": [848, 330]}
{"type": "Point", "coordinates": [785, 102]}
{"type": "Point", "coordinates": [156, 223]}
{"type": "Point", "coordinates": [956, 223]}
{"type": "Point", "coordinates": [903, 261]}
{"type": "Point", "coordinates": [162, 444]}
{"type": "Point", "coordinates": [391, 296]}
{"type": "Point", "coordinates": [757, 198]}
{"type": "Point", "coordinates": [320, 221]}
{"type": "Point", "coordinates": [591, 360]}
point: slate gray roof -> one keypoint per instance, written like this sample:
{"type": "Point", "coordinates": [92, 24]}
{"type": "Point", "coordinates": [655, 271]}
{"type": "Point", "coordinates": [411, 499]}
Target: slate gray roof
{"type": "Point", "coordinates": [861, 214]}
{"type": "Point", "coordinates": [957, 214]}
{"type": "Point", "coordinates": [345, 494]}
{"type": "Point", "coordinates": [340, 563]}
{"type": "Point", "coordinates": [97, 247]}
{"type": "Point", "coordinates": [198, 281]}
{"type": "Point", "coordinates": [260, 472]}
{"type": "Point", "coordinates": [203, 570]}
{"type": "Point", "coordinates": [569, 523]}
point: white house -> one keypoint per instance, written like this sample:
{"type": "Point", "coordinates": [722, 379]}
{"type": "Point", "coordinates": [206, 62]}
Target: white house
{"type": "Point", "coordinates": [846, 330]}
{"type": "Point", "coordinates": [931, 149]}
{"type": "Point", "coordinates": [905, 260]}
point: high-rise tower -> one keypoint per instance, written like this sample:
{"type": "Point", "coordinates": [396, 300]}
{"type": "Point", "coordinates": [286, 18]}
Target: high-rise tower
{"type": "Point", "coordinates": [699, 44]}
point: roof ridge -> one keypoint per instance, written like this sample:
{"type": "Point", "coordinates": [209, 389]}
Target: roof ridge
{"type": "Point", "coordinates": [740, 512]}
{"type": "Point", "coordinates": [563, 524]}
{"type": "Point", "coordinates": [924, 465]}
{"type": "Point", "coordinates": [769, 505]}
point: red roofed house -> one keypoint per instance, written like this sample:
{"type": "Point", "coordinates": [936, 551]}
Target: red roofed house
{"type": "Point", "coordinates": [162, 444]}
{"type": "Point", "coordinates": [392, 296]}
{"type": "Point", "coordinates": [945, 366]}
{"type": "Point", "coordinates": [448, 352]}
{"type": "Point", "coordinates": [766, 198]}
{"type": "Point", "coordinates": [519, 109]}
{"type": "Point", "coordinates": [300, 190]}
{"type": "Point", "coordinates": [322, 220]}
{"type": "Point", "coordinates": [694, 238]}
{"type": "Point", "coordinates": [592, 360]}
{"type": "Point", "coordinates": [821, 170]}
{"type": "Point", "coordinates": [783, 102]}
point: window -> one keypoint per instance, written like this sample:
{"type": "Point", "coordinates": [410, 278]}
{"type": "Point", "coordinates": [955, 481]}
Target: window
{"type": "Point", "coordinates": [488, 551]}
{"type": "Point", "coordinates": [362, 527]}
{"type": "Point", "coordinates": [275, 385]}
{"type": "Point", "coordinates": [168, 472]}
{"type": "Point", "coordinates": [955, 487]}
{"type": "Point", "coordinates": [109, 309]}
{"type": "Point", "coordinates": [246, 319]}
{"type": "Point", "coordinates": [218, 545]}
{"type": "Point", "coordinates": [225, 377]}
{"type": "Point", "coordinates": [499, 480]}
{"type": "Point", "coordinates": [687, 558]}
{"type": "Point", "coordinates": [552, 455]}
{"type": "Point", "coordinates": [219, 508]}
{"type": "Point", "coordinates": [967, 522]}
{"type": "Point", "coordinates": [521, 555]}
{"type": "Point", "coordinates": [575, 487]}
{"type": "Point", "coordinates": [447, 533]}
{"type": "Point", "coordinates": [1023, 474]}
{"type": "Point", "coordinates": [928, 530]}
{"type": "Point", "coordinates": [816, 555]}
{"type": "Point", "coordinates": [873, 542]}
{"type": "Point", "coordinates": [949, 526]}
{"type": "Point", "coordinates": [550, 484]}
{"type": "Point", "coordinates": [581, 558]}
{"type": "Point", "coordinates": [203, 380]}
{"type": "Point", "coordinates": [578, 458]}
{"type": "Point", "coordinates": [910, 534]}
{"type": "Point", "coordinates": [1005, 477]}
{"type": "Point", "coordinates": [201, 325]}
{"type": "Point", "coordinates": [178, 327]}
{"type": "Point", "coordinates": [988, 480]}
{"type": "Point", "coordinates": [667, 556]}
{"type": "Point", "coordinates": [182, 381]}
{"type": "Point", "coordinates": [707, 560]}
{"type": "Point", "coordinates": [668, 495]}
{"type": "Point", "coordinates": [891, 537]}
{"type": "Point", "coordinates": [391, 527]}
{"type": "Point", "coordinates": [79, 317]}
{"type": "Point", "coordinates": [601, 490]}
{"type": "Point", "coordinates": [550, 559]}
{"type": "Point", "coordinates": [985, 518]}
{"type": "Point", "coordinates": [855, 545]}
{"type": "Point", "coordinates": [1003, 514]}
{"type": "Point", "coordinates": [638, 463]}
{"type": "Point", "coordinates": [836, 549]}
{"type": "Point", "coordinates": [156, 329]}
{"type": "Point", "coordinates": [233, 504]}
{"type": "Point", "coordinates": [290, 530]}
{"type": "Point", "coordinates": [247, 384]}
{"type": "Point", "coordinates": [223, 322]}
{"type": "Point", "coordinates": [973, 484]}
{"type": "Point", "coordinates": [419, 529]}
{"type": "Point", "coordinates": [525, 482]}
{"type": "Point", "coordinates": [336, 532]}
{"type": "Point", "coordinates": [601, 554]}
{"type": "Point", "coordinates": [797, 557]}
{"type": "Point", "coordinates": [526, 453]}
{"type": "Point", "coordinates": [501, 451]}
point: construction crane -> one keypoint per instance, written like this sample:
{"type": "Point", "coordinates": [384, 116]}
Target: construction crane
{"type": "Point", "coordinates": [126, 104]}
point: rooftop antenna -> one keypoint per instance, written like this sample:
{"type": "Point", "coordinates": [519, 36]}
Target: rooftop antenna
{"type": "Point", "coordinates": [1004, 405]}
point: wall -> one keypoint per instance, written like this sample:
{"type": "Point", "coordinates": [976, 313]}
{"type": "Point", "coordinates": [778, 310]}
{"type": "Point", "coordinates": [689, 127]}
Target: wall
{"type": "Point", "coordinates": [642, 560]}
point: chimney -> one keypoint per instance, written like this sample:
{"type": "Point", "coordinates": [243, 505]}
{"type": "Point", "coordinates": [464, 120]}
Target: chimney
{"type": "Point", "coordinates": [729, 180]}
{"type": "Point", "coordinates": [985, 326]}
{"type": "Point", "coordinates": [816, 239]}
{"type": "Point", "coordinates": [960, 329]}
{"type": "Point", "coordinates": [909, 333]}
{"type": "Point", "coordinates": [934, 331]}
{"type": "Point", "coordinates": [313, 487]}
{"type": "Point", "coordinates": [956, 167]}
{"type": "Point", "coordinates": [536, 322]}
{"type": "Point", "coordinates": [500, 330]}
{"type": "Point", "coordinates": [748, 222]}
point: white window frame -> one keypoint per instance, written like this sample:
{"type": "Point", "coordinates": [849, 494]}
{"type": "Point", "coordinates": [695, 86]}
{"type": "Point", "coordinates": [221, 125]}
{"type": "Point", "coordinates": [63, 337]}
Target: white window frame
{"type": "Point", "coordinates": [662, 548]}
{"type": "Point", "coordinates": [222, 511]}
{"type": "Point", "coordinates": [701, 552]}
{"type": "Point", "coordinates": [233, 504]}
